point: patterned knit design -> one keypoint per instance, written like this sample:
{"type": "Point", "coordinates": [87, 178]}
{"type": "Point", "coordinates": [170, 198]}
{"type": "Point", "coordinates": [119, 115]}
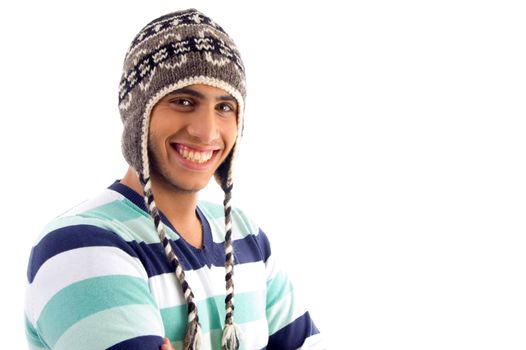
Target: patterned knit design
{"type": "Point", "coordinates": [206, 43]}
{"type": "Point", "coordinates": [171, 52]}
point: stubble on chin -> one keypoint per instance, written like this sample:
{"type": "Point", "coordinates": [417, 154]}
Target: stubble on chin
{"type": "Point", "coordinates": [157, 174]}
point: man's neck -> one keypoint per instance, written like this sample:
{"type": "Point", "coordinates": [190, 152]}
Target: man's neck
{"type": "Point", "coordinates": [178, 207]}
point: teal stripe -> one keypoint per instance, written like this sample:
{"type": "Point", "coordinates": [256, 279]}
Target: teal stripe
{"type": "Point", "coordinates": [119, 210]}
{"type": "Point", "coordinates": [281, 314]}
{"type": "Point", "coordinates": [248, 307]}
{"type": "Point", "coordinates": [215, 214]}
{"type": "Point", "coordinates": [280, 308]}
{"type": "Point", "coordinates": [211, 210]}
{"type": "Point", "coordinates": [34, 347]}
{"type": "Point", "coordinates": [277, 287]}
{"type": "Point", "coordinates": [128, 221]}
{"type": "Point", "coordinates": [111, 327]}
{"type": "Point", "coordinates": [216, 336]}
{"type": "Point", "coordinates": [242, 225]}
{"type": "Point", "coordinates": [174, 320]}
{"type": "Point", "coordinates": [241, 229]}
{"type": "Point", "coordinates": [87, 297]}
{"type": "Point", "coordinates": [32, 334]}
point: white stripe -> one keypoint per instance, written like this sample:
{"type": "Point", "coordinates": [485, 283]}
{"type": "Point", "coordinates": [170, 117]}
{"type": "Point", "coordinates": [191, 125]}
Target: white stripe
{"type": "Point", "coordinates": [167, 291]}
{"type": "Point", "coordinates": [107, 196]}
{"type": "Point", "coordinates": [272, 268]}
{"type": "Point", "coordinates": [279, 312]}
{"type": "Point", "coordinates": [76, 265]}
{"type": "Point", "coordinates": [240, 230]}
{"type": "Point", "coordinates": [314, 342]}
{"type": "Point", "coordinates": [254, 335]}
{"type": "Point", "coordinates": [258, 331]}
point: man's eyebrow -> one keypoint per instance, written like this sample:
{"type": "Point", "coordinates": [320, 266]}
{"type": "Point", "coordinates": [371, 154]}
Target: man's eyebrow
{"type": "Point", "coordinates": [197, 94]}
{"type": "Point", "coordinates": [226, 98]}
{"type": "Point", "coordinates": [187, 91]}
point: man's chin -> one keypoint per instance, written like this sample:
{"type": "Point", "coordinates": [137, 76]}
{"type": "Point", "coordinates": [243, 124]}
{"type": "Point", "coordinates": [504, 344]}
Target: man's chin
{"type": "Point", "coordinates": [183, 187]}
{"type": "Point", "coordinates": [180, 189]}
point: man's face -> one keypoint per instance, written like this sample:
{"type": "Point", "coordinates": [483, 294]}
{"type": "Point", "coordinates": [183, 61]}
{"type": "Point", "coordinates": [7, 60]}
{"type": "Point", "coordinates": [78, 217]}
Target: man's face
{"type": "Point", "coordinates": [192, 131]}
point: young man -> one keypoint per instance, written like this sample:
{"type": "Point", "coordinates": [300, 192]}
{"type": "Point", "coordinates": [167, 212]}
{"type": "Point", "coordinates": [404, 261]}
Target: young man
{"type": "Point", "coordinates": [146, 260]}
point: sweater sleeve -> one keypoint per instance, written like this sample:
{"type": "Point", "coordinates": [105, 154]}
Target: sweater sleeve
{"type": "Point", "coordinates": [289, 322]}
{"type": "Point", "coordinates": [87, 289]}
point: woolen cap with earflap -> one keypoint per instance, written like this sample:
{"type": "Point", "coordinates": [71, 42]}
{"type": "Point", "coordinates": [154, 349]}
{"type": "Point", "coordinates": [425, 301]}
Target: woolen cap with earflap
{"type": "Point", "coordinates": [173, 51]}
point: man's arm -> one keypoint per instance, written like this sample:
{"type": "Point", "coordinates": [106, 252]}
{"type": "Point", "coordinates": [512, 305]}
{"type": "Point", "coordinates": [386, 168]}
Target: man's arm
{"type": "Point", "coordinates": [88, 290]}
{"type": "Point", "coordinates": [290, 324]}
{"type": "Point", "coordinates": [167, 345]}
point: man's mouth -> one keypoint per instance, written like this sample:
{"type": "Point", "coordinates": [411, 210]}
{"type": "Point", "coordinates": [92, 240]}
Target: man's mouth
{"type": "Point", "coordinates": [192, 154]}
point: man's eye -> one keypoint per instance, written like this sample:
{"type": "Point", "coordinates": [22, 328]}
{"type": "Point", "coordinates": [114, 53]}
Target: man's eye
{"type": "Point", "coordinates": [181, 102]}
{"type": "Point", "coordinates": [225, 107]}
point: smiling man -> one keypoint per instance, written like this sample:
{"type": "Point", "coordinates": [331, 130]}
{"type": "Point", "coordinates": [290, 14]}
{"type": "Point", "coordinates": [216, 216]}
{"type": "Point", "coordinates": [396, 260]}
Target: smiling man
{"type": "Point", "coordinates": [147, 263]}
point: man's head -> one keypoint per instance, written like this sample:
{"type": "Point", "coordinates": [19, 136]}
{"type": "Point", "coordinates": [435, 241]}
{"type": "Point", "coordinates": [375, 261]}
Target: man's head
{"type": "Point", "coordinates": [172, 52]}
{"type": "Point", "coordinates": [181, 99]}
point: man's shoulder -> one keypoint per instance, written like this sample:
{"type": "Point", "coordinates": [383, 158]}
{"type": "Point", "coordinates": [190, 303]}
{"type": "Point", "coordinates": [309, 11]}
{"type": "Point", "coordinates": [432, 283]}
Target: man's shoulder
{"type": "Point", "coordinates": [109, 210]}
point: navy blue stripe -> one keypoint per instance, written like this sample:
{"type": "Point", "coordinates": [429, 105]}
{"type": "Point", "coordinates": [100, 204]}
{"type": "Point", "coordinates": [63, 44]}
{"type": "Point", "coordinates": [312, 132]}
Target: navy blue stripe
{"type": "Point", "coordinates": [72, 237]}
{"type": "Point", "coordinates": [152, 256]}
{"type": "Point", "coordinates": [130, 194]}
{"type": "Point", "coordinates": [293, 335]}
{"type": "Point", "coordinates": [138, 200]}
{"type": "Point", "coordinates": [252, 248]}
{"type": "Point", "coordinates": [246, 250]}
{"type": "Point", "coordinates": [147, 342]}
{"type": "Point", "coordinates": [264, 245]}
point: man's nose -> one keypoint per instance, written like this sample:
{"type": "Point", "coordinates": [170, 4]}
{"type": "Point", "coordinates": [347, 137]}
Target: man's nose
{"type": "Point", "coordinates": [203, 125]}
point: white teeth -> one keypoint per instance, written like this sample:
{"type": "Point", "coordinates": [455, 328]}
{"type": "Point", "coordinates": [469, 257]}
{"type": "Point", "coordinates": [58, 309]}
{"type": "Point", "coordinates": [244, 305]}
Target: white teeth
{"type": "Point", "coordinates": [194, 156]}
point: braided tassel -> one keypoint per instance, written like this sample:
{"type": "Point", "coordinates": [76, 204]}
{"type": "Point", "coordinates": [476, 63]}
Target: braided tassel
{"type": "Point", "coordinates": [231, 337]}
{"type": "Point", "coordinates": [192, 339]}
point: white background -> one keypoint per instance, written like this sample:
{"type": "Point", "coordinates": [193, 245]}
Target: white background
{"type": "Point", "coordinates": [384, 153]}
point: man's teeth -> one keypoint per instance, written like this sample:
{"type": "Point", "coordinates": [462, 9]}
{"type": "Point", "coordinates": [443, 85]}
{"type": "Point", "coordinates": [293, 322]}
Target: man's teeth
{"type": "Point", "coordinates": [193, 155]}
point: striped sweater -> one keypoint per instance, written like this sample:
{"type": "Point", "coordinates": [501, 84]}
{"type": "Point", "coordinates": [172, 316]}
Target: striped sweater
{"type": "Point", "coordinates": [99, 279]}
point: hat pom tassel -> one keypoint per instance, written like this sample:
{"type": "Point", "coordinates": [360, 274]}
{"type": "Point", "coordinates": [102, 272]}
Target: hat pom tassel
{"type": "Point", "coordinates": [231, 337]}
{"type": "Point", "coordinates": [193, 338]}
{"type": "Point", "coordinates": [197, 340]}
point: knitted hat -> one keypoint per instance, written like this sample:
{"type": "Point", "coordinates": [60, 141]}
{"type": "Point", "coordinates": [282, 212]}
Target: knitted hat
{"type": "Point", "coordinates": [173, 51]}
